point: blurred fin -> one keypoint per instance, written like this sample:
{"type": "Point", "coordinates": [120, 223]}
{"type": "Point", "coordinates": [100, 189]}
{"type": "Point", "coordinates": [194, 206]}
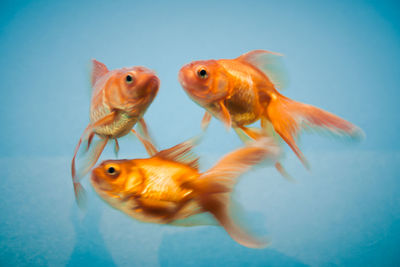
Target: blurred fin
{"type": "Point", "coordinates": [98, 70]}
{"type": "Point", "coordinates": [80, 195]}
{"type": "Point", "coordinates": [269, 131]}
{"type": "Point", "coordinates": [288, 117]}
{"type": "Point", "coordinates": [223, 175]}
{"type": "Point", "coordinates": [243, 137]}
{"type": "Point", "coordinates": [143, 130]}
{"type": "Point", "coordinates": [215, 186]}
{"type": "Point", "coordinates": [182, 153]}
{"type": "Point", "coordinates": [108, 119]}
{"type": "Point", "coordinates": [88, 134]}
{"type": "Point", "coordinates": [90, 139]}
{"type": "Point", "coordinates": [217, 205]}
{"type": "Point", "coordinates": [205, 121]}
{"type": "Point", "coordinates": [83, 137]}
{"type": "Point", "coordinates": [271, 64]}
{"type": "Point", "coordinates": [196, 220]}
{"type": "Point", "coordinates": [116, 147]}
{"type": "Point", "coordinates": [255, 134]}
{"type": "Point", "coordinates": [93, 156]}
{"type": "Point", "coordinates": [150, 148]}
{"type": "Point", "coordinates": [283, 172]}
{"type": "Point", "coordinates": [224, 115]}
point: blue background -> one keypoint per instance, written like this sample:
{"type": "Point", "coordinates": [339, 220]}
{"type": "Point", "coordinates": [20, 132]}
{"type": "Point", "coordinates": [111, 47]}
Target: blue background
{"type": "Point", "coordinates": [342, 56]}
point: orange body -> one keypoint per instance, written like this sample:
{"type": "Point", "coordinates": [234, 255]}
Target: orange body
{"type": "Point", "coordinates": [168, 188]}
{"type": "Point", "coordinates": [129, 100]}
{"type": "Point", "coordinates": [149, 190]}
{"type": "Point", "coordinates": [119, 100]}
{"type": "Point", "coordinates": [242, 91]}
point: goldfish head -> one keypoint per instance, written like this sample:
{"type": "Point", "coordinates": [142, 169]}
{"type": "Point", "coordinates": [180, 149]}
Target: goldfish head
{"type": "Point", "coordinates": [117, 181]}
{"type": "Point", "coordinates": [132, 89]}
{"type": "Point", "coordinates": [204, 81]}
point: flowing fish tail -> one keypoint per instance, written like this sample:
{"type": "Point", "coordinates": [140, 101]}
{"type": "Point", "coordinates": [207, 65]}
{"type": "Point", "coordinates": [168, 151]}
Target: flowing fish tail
{"type": "Point", "coordinates": [214, 187]}
{"type": "Point", "coordinates": [288, 117]}
{"type": "Point", "coordinates": [91, 159]}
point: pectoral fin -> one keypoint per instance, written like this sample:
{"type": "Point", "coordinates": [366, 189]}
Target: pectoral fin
{"type": "Point", "coordinates": [108, 119]}
{"type": "Point", "coordinates": [150, 148]}
{"type": "Point", "coordinates": [145, 138]}
{"type": "Point", "coordinates": [143, 130]}
{"type": "Point", "coordinates": [224, 115]}
{"type": "Point", "coordinates": [205, 121]}
{"type": "Point", "coordinates": [116, 147]}
{"type": "Point", "coordinates": [256, 134]}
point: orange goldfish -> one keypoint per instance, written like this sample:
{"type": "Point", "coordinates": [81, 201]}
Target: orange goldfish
{"type": "Point", "coordinates": [243, 90]}
{"type": "Point", "coordinates": [119, 100]}
{"type": "Point", "coordinates": [168, 187]}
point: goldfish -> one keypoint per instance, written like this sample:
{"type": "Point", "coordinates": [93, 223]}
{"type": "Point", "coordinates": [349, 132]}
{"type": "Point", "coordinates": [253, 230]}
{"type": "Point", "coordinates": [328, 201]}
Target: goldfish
{"type": "Point", "coordinates": [119, 100]}
{"type": "Point", "coordinates": [244, 90]}
{"type": "Point", "coordinates": [168, 188]}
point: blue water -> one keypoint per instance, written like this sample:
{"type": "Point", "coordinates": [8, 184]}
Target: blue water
{"type": "Point", "coordinates": [343, 56]}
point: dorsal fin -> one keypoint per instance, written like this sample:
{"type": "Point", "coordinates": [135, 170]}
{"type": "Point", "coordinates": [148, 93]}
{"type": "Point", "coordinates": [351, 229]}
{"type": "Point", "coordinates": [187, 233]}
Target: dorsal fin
{"type": "Point", "coordinates": [182, 153]}
{"type": "Point", "coordinates": [98, 70]}
{"type": "Point", "coordinates": [269, 63]}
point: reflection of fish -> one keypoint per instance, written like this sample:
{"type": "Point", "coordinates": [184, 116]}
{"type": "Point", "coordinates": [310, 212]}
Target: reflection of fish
{"type": "Point", "coordinates": [168, 187]}
{"type": "Point", "coordinates": [242, 91]}
{"type": "Point", "coordinates": [119, 100]}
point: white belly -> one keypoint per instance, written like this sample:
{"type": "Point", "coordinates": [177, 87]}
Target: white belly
{"type": "Point", "coordinates": [119, 127]}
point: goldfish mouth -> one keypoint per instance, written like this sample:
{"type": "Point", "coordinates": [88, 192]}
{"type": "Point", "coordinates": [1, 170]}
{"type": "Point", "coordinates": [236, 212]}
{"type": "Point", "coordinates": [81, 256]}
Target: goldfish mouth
{"type": "Point", "coordinates": [181, 79]}
{"type": "Point", "coordinates": [154, 83]}
{"type": "Point", "coordinates": [98, 183]}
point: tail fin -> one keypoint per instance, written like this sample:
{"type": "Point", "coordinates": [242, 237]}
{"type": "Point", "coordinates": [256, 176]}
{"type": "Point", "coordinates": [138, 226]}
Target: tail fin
{"type": "Point", "coordinates": [288, 117]}
{"type": "Point", "coordinates": [215, 185]}
{"type": "Point", "coordinates": [79, 191]}
{"type": "Point", "coordinates": [218, 206]}
{"type": "Point", "coordinates": [80, 195]}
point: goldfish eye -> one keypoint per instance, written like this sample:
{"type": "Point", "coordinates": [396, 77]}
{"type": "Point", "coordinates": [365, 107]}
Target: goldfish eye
{"type": "Point", "coordinates": [129, 79]}
{"type": "Point", "coordinates": [202, 73]}
{"type": "Point", "coordinates": [112, 170]}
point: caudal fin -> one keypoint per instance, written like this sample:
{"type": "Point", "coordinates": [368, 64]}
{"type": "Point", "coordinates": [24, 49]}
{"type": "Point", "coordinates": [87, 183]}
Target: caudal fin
{"type": "Point", "coordinates": [215, 185]}
{"type": "Point", "coordinates": [80, 195]}
{"type": "Point", "coordinates": [86, 165]}
{"type": "Point", "coordinates": [218, 206]}
{"type": "Point", "coordinates": [288, 117]}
